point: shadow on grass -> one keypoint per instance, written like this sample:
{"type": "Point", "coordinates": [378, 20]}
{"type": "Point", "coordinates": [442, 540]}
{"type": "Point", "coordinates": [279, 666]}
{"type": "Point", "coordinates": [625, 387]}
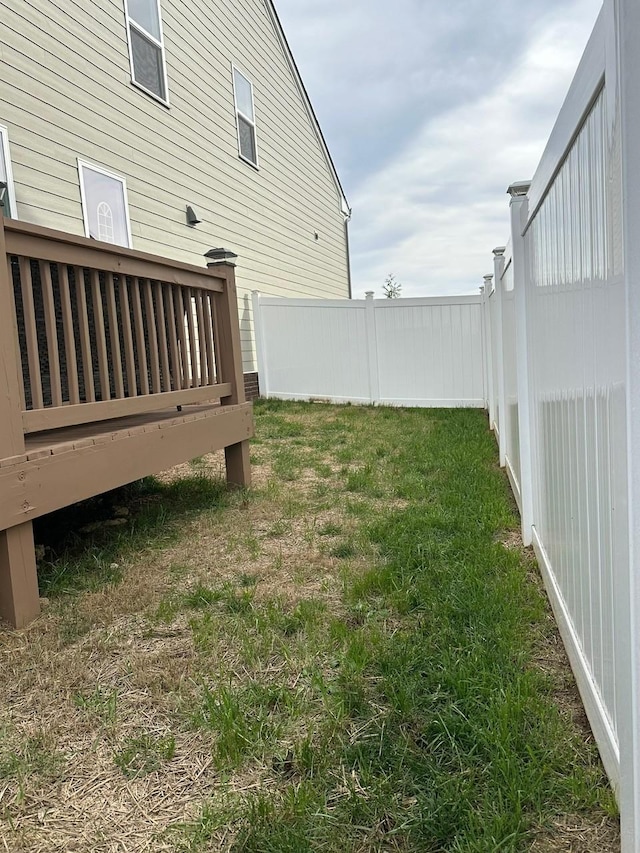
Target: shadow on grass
{"type": "Point", "coordinates": [85, 545]}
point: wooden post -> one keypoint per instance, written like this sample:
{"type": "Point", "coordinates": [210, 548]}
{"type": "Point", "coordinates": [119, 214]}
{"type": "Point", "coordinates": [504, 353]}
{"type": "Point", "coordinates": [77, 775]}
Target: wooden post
{"type": "Point", "coordinates": [19, 599]}
{"type": "Point", "coordinates": [230, 368]}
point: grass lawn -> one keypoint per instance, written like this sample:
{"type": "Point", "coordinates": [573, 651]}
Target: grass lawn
{"type": "Point", "coordinates": [356, 655]}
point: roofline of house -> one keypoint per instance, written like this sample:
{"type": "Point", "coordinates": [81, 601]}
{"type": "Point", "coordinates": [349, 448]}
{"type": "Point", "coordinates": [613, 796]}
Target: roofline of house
{"type": "Point", "coordinates": [307, 101]}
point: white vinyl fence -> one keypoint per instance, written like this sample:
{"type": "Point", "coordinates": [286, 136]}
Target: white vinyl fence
{"type": "Point", "coordinates": [402, 352]}
{"type": "Point", "coordinates": [563, 346]}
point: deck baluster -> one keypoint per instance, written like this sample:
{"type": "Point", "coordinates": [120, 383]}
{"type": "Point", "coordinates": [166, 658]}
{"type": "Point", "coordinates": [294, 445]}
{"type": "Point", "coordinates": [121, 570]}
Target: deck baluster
{"type": "Point", "coordinates": [71, 356]}
{"type": "Point", "coordinates": [127, 336]}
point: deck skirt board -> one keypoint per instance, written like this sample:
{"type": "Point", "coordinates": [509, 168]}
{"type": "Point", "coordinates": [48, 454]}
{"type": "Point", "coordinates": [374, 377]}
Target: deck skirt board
{"type": "Point", "coordinates": [74, 463]}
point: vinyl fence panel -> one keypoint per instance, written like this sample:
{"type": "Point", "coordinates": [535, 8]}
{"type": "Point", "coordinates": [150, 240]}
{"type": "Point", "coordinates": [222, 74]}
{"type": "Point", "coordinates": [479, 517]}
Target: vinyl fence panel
{"type": "Point", "coordinates": [577, 374]}
{"type": "Point", "coordinates": [402, 352]}
{"type": "Point", "coordinates": [312, 348]}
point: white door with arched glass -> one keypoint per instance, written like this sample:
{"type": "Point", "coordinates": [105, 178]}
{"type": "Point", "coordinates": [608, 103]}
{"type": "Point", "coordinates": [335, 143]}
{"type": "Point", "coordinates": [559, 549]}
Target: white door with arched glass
{"type": "Point", "coordinates": [104, 205]}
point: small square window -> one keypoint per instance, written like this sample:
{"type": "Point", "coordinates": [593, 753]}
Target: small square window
{"type": "Point", "coordinates": [104, 205]}
{"type": "Point", "coordinates": [245, 117]}
{"type": "Point", "coordinates": [8, 196]}
{"type": "Point", "coordinates": [146, 47]}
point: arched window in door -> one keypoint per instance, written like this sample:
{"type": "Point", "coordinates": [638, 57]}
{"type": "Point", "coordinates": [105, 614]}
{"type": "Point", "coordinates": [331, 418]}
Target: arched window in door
{"type": "Point", "coordinates": [105, 223]}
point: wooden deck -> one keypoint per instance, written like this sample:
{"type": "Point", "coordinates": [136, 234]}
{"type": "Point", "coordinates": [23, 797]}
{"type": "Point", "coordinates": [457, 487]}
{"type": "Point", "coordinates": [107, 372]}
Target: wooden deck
{"type": "Point", "coordinates": [99, 346]}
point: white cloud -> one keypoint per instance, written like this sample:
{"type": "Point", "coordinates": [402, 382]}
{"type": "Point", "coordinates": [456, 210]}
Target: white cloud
{"type": "Point", "coordinates": [435, 211]}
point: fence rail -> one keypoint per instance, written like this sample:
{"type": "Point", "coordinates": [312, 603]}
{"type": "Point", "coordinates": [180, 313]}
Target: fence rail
{"type": "Point", "coordinates": [106, 332]}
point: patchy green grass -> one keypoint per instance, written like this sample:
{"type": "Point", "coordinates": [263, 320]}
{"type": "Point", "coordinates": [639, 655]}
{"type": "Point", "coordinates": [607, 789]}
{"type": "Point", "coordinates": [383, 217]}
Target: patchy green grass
{"type": "Point", "coordinates": [344, 659]}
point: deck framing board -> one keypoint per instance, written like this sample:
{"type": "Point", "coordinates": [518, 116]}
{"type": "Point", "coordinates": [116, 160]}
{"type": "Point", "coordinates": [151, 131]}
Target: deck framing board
{"type": "Point", "coordinates": [58, 476]}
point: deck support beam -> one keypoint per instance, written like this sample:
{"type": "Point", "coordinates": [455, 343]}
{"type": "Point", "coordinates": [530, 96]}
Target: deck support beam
{"type": "Point", "coordinates": [19, 597]}
{"type": "Point", "coordinates": [238, 464]}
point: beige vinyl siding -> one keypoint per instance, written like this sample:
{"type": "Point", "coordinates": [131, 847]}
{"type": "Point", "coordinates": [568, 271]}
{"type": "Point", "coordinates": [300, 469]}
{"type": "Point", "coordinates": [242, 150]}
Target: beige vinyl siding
{"type": "Point", "coordinates": [67, 94]}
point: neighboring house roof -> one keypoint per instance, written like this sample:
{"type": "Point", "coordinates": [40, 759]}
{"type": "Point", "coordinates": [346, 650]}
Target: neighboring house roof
{"type": "Point", "coordinates": [307, 102]}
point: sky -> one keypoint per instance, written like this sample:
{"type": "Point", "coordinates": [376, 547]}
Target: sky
{"type": "Point", "coordinates": [431, 108]}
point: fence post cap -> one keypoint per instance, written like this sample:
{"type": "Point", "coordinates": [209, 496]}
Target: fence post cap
{"type": "Point", "coordinates": [499, 251]}
{"type": "Point", "coordinates": [519, 189]}
{"type": "Point", "coordinates": [488, 278]}
{"type": "Point", "coordinates": [369, 294]}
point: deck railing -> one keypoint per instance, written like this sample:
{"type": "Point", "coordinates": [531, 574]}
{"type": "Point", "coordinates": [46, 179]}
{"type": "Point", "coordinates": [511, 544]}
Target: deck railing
{"type": "Point", "coordinates": [104, 332]}
{"type": "Point", "coordinates": [93, 332]}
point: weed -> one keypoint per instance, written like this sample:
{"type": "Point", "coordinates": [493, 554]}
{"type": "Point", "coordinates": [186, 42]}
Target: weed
{"type": "Point", "coordinates": [202, 597]}
{"type": "Point", "coordinates": [280, 528]}
{"type": "Point", "coordinates": [343, 551]}
{"type": "Point", "coordinates": [144, 754]}
{"type": "Point", "coordinates": [99, 703]}
{"type": "Point", "coordinates": [287, 463]}
{"type": "Point", "coordinates": [330, 529]}
{"type": "Point", "coordinates": [35, 756]}
{"type": "Point", "coordinates": [246, 720]}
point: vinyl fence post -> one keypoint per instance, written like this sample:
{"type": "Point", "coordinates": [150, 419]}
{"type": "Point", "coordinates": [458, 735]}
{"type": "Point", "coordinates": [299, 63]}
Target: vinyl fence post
{"type": "Point", "coordinates": [623, 16]}
{"type": "Point", "coordinates": [261, 344]}
{"type": "Point", "coordinates": [487, 349]}
{"type": "Point", "coordinates": [519, 211]}
{"type": "Point", "coordinates": [372, 348]}
{"type": "Point", "coordinates": [500, 422]}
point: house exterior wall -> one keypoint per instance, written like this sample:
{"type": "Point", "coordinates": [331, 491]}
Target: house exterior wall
{"type": "Point", "coordinates": [66, 93]}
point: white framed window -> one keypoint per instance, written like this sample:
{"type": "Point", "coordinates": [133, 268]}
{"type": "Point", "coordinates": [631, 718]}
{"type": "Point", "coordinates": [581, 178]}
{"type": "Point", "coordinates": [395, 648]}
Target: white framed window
{"type": "Point", "coordinates": [105, 208]}
{"type": "Point", "coordinates": [6, 176]}
{"type": "Point", "coordinates": [245, 117]}
{"type": "Point", "coordinates": [146, 48]}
